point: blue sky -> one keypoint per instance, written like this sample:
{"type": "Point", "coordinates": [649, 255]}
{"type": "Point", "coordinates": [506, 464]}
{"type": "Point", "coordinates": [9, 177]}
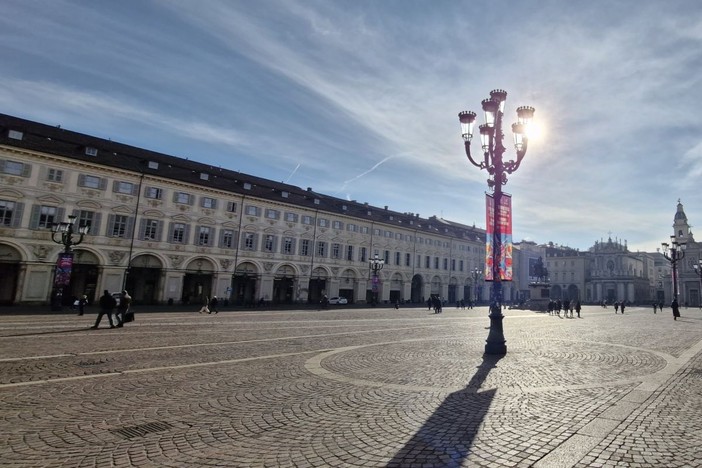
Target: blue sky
{"type": "Point", "coordinates": [359, 99]}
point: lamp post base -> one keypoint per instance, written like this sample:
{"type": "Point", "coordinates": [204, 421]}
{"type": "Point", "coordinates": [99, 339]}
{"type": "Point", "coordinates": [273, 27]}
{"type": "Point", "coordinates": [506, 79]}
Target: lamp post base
{"type": "Point", "coordinates": [495, 343]}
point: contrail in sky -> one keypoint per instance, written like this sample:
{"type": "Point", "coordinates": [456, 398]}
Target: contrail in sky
{"type": "Point", "coordinates": [292, 174]}
{"type": "Point", "coordinates": [346, 182]}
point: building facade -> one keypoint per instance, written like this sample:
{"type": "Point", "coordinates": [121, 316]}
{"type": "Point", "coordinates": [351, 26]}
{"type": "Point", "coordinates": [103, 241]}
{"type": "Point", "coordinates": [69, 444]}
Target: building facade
{"type": "Point", "coordinates": [171, 230]}
{"type": "Point", "coordinates": [689, 280]}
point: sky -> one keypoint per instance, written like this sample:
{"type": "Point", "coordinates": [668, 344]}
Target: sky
{"type": "Point", "coordinates": [359, 99]}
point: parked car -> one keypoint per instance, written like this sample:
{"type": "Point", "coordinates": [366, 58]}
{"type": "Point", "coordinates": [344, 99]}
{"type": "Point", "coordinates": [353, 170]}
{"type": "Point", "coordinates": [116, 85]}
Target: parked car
{"type": "Point", "coordinates": [338, 300]}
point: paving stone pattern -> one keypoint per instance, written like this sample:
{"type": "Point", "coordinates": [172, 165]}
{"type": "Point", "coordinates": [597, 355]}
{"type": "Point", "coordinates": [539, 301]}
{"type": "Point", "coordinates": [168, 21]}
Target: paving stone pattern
{"type": "Point", "coordinates": [352, 387]}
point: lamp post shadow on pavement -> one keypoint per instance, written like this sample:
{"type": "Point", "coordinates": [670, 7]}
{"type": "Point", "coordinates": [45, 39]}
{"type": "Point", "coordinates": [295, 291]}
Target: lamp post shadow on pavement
{"type": "Point", "coordinates": [446, 438]}
{"type": "Point", "coordinates": [498, 226]}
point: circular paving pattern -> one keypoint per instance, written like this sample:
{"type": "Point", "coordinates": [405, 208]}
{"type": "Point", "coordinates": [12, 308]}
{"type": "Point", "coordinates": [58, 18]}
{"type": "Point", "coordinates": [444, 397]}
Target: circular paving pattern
{"type": "Point", "coordinates": [451, 365]}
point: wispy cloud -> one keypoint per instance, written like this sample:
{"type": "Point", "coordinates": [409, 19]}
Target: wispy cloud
{"type": "Point", "coordinates": [336, 87]}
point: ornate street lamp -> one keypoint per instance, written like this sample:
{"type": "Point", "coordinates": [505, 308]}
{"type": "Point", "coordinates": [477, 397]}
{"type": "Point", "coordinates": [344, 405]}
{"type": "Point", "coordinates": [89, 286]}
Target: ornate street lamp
{"type": "Point", "coordinates": [491, 136]}
{"type": "Point", "coordinates": [698, 271]}
{"type": "Point", "coordinates": [476, 274]}
{"type": "Point", "coordinates": [376, 264]}
{"type": "Point", "coordinates": [63, 233]}
{"type": "Point", "coordinates": [674, 252]}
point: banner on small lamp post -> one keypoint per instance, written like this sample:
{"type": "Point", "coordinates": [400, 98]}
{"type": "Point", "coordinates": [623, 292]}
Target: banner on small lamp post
{"type": "Point", "coordinates": [64, 266]}
{"type": "Point", "coordinates": [504, 226]}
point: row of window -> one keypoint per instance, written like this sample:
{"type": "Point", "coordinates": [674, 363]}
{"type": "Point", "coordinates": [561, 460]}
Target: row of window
{"type": "Point", "coordinates": [43, 217]}
{"type": "Point", "coordinates": [94, 182]}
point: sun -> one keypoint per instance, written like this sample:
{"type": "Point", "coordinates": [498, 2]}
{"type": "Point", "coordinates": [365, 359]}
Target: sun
{"type": "Point", "coordinates": [534, 131]}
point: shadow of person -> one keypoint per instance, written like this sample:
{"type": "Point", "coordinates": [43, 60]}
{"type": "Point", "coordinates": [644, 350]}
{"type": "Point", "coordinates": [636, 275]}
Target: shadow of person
{"type": "Point", "coordinates": [445, 439]}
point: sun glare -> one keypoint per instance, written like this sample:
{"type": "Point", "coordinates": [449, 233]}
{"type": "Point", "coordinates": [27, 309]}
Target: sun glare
{"type": "Point", "coordinates": [534, 131]}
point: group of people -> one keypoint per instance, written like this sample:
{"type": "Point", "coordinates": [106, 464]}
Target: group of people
{"type": "Point", "coordinates": [461, 304]}
{"type": "Point", "coordinates": [567, 306]}
{"type": "Point", "coordinates": [107, 306]}
{"type": "Point", "coordinates": [434, 302]}
{"type": "Point", "coordinates": [619, 305]}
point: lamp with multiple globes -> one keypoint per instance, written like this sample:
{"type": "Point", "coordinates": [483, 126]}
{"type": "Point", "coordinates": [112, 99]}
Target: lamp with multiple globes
{"type": "Point", "coordinates": [63, 233]}
{"type": "Point", "coordinates": [491, 136]}
{"type": "Point", "coordinates": [476, 274]}
{"type": "Point", "coordinates": [376, 264]}
{"type": "Point", "coordinates": [698, 271]}
{"type": "Point", "coordinates": [674, 252]}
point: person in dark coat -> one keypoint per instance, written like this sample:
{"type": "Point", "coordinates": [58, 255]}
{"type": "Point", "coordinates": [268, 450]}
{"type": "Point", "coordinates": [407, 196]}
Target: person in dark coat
{"type": "Point", "coordinates": [623, 305]}
{"type": "Point", "coordinates": [107, 305]}
{"type": "Point", "coordinates": [676, 309]}
{"type": "Point", "coordinates": [214, 302]}
{"type": "Point", "coordinates": [577, 308]}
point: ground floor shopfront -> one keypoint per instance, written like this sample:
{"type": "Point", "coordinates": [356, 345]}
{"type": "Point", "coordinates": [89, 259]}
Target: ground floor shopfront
{"type": "Point", "coordinates": [175, 278]}
{"type": "Point", "coordinates": [634, 291]}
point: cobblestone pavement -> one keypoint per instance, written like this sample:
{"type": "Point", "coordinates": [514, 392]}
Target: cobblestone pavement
{"type": "Point", "coordinates": [352, 387]}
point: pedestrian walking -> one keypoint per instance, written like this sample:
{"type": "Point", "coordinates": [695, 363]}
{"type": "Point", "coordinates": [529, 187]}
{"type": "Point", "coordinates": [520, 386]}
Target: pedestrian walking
{"type": "Point", "coordinates": [214, 302]}
{"type": "Point", "coordinates": [676, 309]}
{"type": "Point", "coordinates": [205, 309]}
{"type": "Point", "coordinates": [429, 303]}
{"type": "Point", "coordinates": [125, 300]}
{"type": "Point", "coordinates": [655, 306]}
{"type": "Point", "coordinates": [616, 307]}
{"type": "Point", "coordinates": [107, 305]}
{"type": "Point", "coordinates": [622, 305]}
{"type": "Point", "coordinates": [577, 308]}
{"type": "Point", "coordinates": [82, 302]}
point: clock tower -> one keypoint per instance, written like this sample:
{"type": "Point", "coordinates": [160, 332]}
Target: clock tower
{"type": "Point", "coordinates": [681, 228]}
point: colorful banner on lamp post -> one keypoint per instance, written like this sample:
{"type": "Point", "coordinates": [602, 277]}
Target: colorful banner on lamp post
{"type": "Point", "coordinates": [64, 266]}
{"type": "Point", "coordinates": [504, 220]}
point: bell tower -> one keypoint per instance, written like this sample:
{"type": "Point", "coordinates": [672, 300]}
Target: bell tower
{"type": "Point", "coordinates": [680, 226]}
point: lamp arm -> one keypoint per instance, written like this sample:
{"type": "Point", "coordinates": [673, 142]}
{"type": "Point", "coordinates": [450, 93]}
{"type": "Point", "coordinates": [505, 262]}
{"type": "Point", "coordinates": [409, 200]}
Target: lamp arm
{"type": "Point", "coordinates": [470, 158]}
{"type": "Point", "coordinates": [80, 239]}
{"type": "Point", "coordinates": [53, 238]}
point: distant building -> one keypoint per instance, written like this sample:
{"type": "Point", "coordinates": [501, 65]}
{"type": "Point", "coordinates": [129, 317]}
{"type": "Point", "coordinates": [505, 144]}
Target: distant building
{"type": "Point", "coordinates": [616, 274]}
{"type": "Point", "coordinates": [568, 272]}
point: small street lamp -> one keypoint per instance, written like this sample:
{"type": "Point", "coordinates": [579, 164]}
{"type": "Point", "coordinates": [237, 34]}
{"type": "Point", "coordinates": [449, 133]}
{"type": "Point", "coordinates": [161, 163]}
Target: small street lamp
{"type": "Point", "coordinates": [491, 136]}
{"type": "Point", "coordinates": [376, 264]}
{"type": "Point", "coordinates": [674, 252]}
{"type": "Point", "coordinates": [64, 265]}
{"type": "Point", "coordinates": [698, 271]}
{"type": "Point", "coordinates": [476, 274]}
